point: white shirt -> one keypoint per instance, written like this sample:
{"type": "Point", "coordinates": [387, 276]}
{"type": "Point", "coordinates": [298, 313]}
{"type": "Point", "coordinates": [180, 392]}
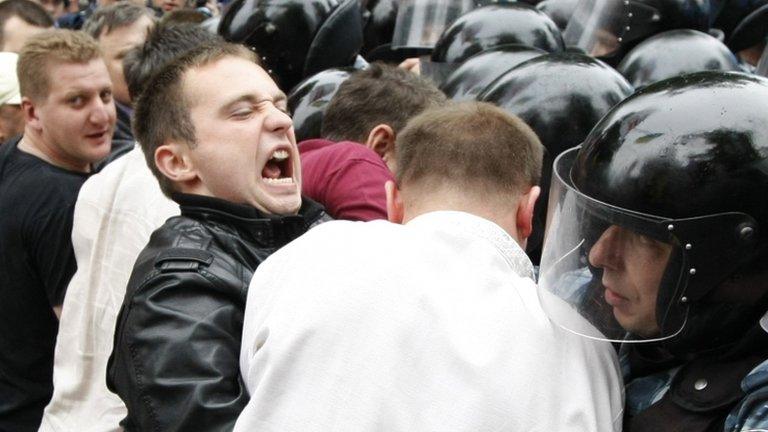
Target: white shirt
{"type": "Point", "coordinates": [116, 211]}
{"type": "Point", "coordinates": [430, 326]}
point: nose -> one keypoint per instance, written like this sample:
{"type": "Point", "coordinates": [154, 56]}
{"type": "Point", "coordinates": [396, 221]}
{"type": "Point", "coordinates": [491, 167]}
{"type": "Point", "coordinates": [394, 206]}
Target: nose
{"type": "Point", "coordinates": [606, 252]}
{"type": "Point", "coordinates": [277, 120]}
{"type": "Point", "coordinates": [101, 112]}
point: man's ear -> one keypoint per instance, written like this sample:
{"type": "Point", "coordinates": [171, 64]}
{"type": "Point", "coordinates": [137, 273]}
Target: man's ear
{"type": "Point", "coordinates": [173, 161]}
{"type": "Point", "coordinates": [395, 211]}
{"type": "Point", "coordinates": [381, 139]}
{"type": "Point", "coordinates": [30, 113]}
{"type": "Point", "coordinates": [525, 207]}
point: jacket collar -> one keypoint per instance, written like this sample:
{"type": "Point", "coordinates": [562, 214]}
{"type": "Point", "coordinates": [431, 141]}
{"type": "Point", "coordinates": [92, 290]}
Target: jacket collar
{"type": "Point", "coordinates": [249, 222]}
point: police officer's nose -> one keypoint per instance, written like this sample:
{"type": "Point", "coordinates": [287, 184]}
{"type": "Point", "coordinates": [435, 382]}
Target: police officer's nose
{"type": "Point", "coordinates": [606, 250]}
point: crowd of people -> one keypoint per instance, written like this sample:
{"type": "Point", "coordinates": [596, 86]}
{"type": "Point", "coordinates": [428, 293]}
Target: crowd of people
{"type": "Point", "coordinates": [384, 215]}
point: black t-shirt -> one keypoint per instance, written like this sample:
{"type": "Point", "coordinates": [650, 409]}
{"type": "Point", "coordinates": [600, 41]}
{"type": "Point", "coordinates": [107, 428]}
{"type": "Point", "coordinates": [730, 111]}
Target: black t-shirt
{"type": "Point", "coordinates": [37, 202]}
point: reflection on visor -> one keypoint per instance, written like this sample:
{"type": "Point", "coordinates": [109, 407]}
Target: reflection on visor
{"type": "Point", "coordinates": [599, 27]}
{"type": "Point", "coordinates": [420, 23]}
{"type": "Point", "coordinates": [602, 267]}
{"type": "Point", "coordinates": [762, 65]}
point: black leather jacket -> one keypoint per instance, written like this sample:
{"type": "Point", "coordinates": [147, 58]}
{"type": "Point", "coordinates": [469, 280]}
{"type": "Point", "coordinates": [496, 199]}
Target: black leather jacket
{"type": "Point", "coordinates": [175, 361]}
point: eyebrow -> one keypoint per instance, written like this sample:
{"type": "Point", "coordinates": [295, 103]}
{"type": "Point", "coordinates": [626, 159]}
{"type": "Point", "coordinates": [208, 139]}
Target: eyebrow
{"type": "Point", "coordinates": [278, 97]}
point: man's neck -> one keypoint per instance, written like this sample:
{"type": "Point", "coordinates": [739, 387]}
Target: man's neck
{"type": "Point", "coordinates": [33, 144]}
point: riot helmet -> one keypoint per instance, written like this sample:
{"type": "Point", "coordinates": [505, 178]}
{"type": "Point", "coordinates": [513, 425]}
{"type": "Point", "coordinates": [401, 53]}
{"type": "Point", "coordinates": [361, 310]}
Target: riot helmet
{"type": "Point", "coordinates": [675, 52]}
{"type": "Point", "coordinates": [561, 97]}
{"type": "Point", "coordinates": [477, 72]}
{"type": "Point", "coordinates": [744, 22]}
{"type": "Point", "coordinates": [494, 25]}
{"type": "Point", "coordinates": [308, 100]}
{"type": "Point", "coordinates": [296, 39]}
{"type": "Point", "coordinates": [379, 28]}
{"type": "Point", "coordinates": [762, 65]}
{"type": "Point", "coordinates": [421, 22]}
{"type": "Point", "coordinates": [657, 223]}
{"type": "Point", "coordinates": [607, 29]}
{"type": "Point", "coordinates": [559, 10]}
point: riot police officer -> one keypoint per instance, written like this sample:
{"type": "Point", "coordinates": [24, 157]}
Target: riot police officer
{"type": "Point", "coordinates": [658, 236]}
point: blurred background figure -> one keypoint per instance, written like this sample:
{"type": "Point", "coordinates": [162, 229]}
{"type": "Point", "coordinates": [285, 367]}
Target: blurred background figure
{"type": "Point", "coordinates": [20, 20]}
{"type": "Point", "coordinates": [11, 116]}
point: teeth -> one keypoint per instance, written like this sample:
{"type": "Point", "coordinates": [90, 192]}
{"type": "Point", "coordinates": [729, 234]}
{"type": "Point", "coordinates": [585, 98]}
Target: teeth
{"type": "Point", "coordinates": [280, 155]}
{"type": "Point", "coordinates": [284, 180]}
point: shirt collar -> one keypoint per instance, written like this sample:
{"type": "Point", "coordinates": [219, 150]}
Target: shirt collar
{"type": "Point", "coordinates": [483, 228]}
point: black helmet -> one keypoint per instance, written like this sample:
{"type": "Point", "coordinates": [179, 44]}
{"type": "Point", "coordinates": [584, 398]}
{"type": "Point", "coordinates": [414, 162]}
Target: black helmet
{"type": "Point", "coordinates": [609, 28]}
{"type": "Point", "coordinates": [296, 39]}
{"type": "Point", "coordinates": [561, 96]}
{"type": "Point", "coordinates": [379, 28]}
{"type": "Point", "coordinates": [472, 76]}
{"type": "Point", "coordinates": [559, 10]}
{"type": "Point", "coordinates": [670, 187]}
{"type": "Point", "coordinates": [744, 22]}
{"type": "Point", "coordinates": [676, 52]}
{"type": "Point", "coordinates": [493, 25]}
{"type": "Point", "coordinates": [308, 100]}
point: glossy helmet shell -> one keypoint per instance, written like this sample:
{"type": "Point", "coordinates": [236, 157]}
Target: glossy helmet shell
{"type": "Point", "coordinates": [559, 10]}
{"type": "Point", "coordinates": [308, 100]}
{"type": "Point", "coordinates": [561, 97]}
{"type": "Point", "coordinates": [478, 71]}
{"type": "Point", "coordinates": [673, 53]}
{"type": "Point", "coordinates": [494, 25]}
{"type": "Point", "coordinates": [296, 39]}
{"type": "Point", "coordinates": [689, 150]}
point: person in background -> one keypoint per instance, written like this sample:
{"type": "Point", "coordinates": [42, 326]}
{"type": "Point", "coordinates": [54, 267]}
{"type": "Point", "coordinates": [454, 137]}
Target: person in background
{"type": "Point", "coordinates": [20, 20]}
{"type": "Point", "coordinates": [11, 116]}
{"type": "Point", "coordinates": [66, 97]}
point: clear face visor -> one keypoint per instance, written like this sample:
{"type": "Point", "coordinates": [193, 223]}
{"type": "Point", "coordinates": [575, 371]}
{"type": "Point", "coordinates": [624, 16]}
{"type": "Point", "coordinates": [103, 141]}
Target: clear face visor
{"type": "Point", "coordinates": [600, 27]}
{"type": "Point", "coordinates": [601, 273]}
{"type": "Point", "coordinates": [420, 23]}
{"type": "Point", "coordinates": [762, 65]}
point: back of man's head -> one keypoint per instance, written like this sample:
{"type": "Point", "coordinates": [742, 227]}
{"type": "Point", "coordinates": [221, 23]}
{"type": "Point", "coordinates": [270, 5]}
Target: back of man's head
{"type": "Point", "coordinates": [28, 12]}
{"type": "Point", "coordinates": [34, 68]}
{"type": "Point", "coordinates": [472, 148]}
{"type": "Point", "coordinates": [164, 43]}
{"type": "Point", "coordinates": [381, 94]}
{"type": "Point", "coordinates": [107, 18]}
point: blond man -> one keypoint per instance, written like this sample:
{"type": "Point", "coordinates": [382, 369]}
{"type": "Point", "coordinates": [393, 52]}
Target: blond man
{"type": "Point", "coordinates": [66, 98]}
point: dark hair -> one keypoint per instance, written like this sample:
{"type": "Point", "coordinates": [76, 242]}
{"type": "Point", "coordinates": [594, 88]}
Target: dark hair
{"type": "Point", "coordinates": [179, 16]}
{"type": "Point", "coordinates": [469, 144]}
{"type": "Point", "coordinates": [381, 94]}
{"type": "Point", "coordinates": [28, 11]}
{"type": "Point", "coordinates": [162, 111]}
{"type": "Point", "coordinates": [107, 18]}
{"type": "Point", "coordinates": [164, 43]}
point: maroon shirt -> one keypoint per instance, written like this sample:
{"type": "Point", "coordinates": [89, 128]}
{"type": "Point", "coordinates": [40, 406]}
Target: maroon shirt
{"type": "Point", "coordinates": [346, 177]}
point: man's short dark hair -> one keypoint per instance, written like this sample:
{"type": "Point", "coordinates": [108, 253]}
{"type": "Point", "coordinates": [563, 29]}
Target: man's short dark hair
{"type": "Point", "coordinates": [162, 111]}
{"type": "Point", "coordinates": [107, 18]}
{"type": "Point", "coordinates": [28, 11]}
{"type": "Point", "coordinates": [164, 43]}
{"type": "Point", "coordinates": [469, 144]}
{"type": "Point", "coordinates": [381, 94]}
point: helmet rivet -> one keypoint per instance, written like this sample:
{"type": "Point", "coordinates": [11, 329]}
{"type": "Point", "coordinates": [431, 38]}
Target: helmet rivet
{"type": "Point", "coordinates": [683, 299]}
{"type": "Point", "coordinates": [747, 232]}
{"type": "Point", "coordinates": [700, 384]}
{"type": "Point", "coordinates": [688, 246]}
{"type": "Point", "coordinates": [692, 271]}
{"type": "Point", "coordinates": [670, 227]}
{"type": "Point", "coordinates": [627, 28]}
{"type": "Point", "coordinates": [629, 14]}
{"type": "Point", "coordinates": [619, 40]}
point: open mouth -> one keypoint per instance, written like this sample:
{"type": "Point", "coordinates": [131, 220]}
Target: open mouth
{"type": "Point", "coordinates": [278, 169]}
{"type": "Point", "coordinates": [97, 135]}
